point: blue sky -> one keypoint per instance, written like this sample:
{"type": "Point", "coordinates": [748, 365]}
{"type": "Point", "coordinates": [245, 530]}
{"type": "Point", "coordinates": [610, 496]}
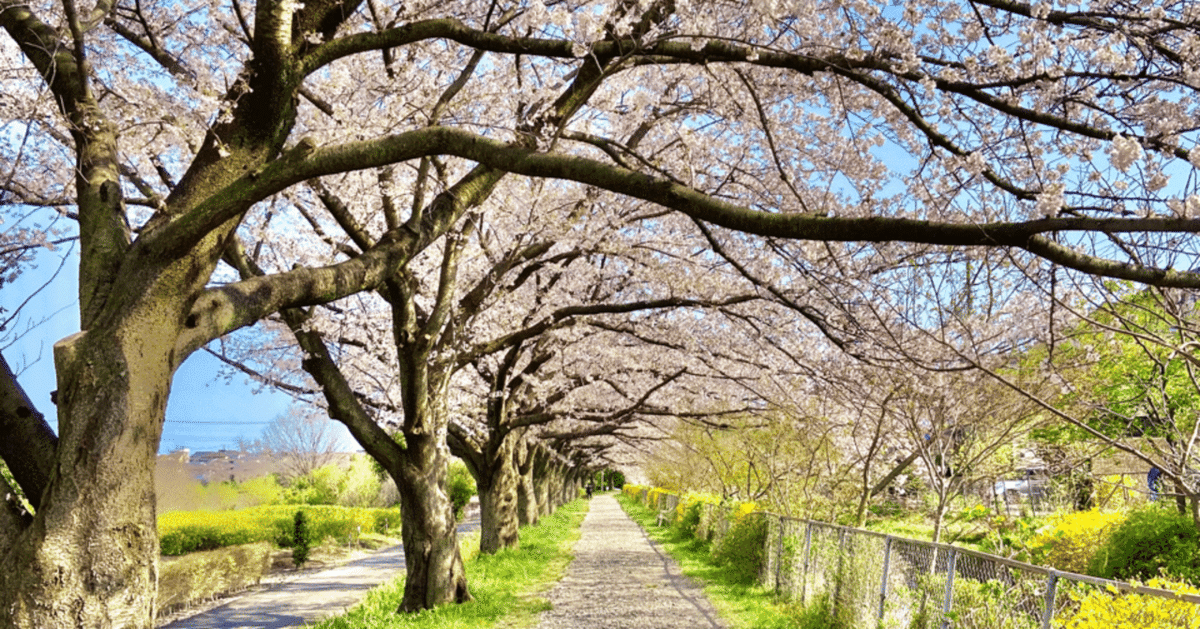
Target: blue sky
{"type": "Point", "coordinates": [206, 410]}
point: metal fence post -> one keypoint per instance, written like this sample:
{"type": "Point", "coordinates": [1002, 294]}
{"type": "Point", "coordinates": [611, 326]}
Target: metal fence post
{"type": "Point", "coordinates": [779, 558]}
{"type": "Point", "coordinates": [807, 547]}
{"type": "Point", "coordinates": [887, 557]}
{"type": "Point", "coordinates": [1051, 586]}
{"type": "Point", "coordinates": [949, 604]}
{"type": "Point", "coordinates": [840, 574]}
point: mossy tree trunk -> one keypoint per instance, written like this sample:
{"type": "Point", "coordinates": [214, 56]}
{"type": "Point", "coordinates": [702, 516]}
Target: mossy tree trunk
{"type": "Point", "coordinates": [527, 503]}
{"type": "Point", "coordinates": [498, 503]}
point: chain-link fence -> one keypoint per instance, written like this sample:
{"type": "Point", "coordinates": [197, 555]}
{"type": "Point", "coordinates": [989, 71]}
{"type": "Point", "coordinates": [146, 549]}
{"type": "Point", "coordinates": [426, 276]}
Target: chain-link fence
{"type": "Point", "coordinates": [869, 579]}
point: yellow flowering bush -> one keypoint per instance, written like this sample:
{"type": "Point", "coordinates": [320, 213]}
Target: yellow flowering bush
{"type": "Point", "coordinates": [744, 509]}
{"type": "Point", "coordinates": [1110, 609]}
{"type": "Point", "coordinates": [653, 496]}
{"type": "Point", "coordinates": [189, 531]}
{"type": "Point", "coordinates": [1071, 540]}
{"type": "Point", "coordinates": [688, 513]}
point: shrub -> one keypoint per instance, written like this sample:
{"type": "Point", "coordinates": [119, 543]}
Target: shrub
{"type": "Point", "coordinates": [975, 604]}
{"type": "Point", "coordinates": [653, 496]}
{"type": "Point", "coordinates": [321, 486]}
{"type": "Point", "coordinates": [742, 551]}
{"type": "Point", "coordinates": [300, 540]}
{"type": "Point", "coordinates": [689, 510]}
{"type": "Point", "coordinates": [189, 531]}
{"type": "Point", "coordinates": [1108, 609]}
{"type": "Point", "coordinates": [1011, 537]}
{"type": "Point", "coordinates": [202, 575]}
{"type": "Point", "coordinates": [263, 490]}
{"type": "Point", "coordinates": [461, 486]}
{"type": "Point", "coordinates": [361, 485]}
{"type": "Point", "coordinates": [1153, 541]}
{"type": "Point", "coordinates": [1072, 539]}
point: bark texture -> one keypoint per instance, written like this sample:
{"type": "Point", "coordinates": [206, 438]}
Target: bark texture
{"type": "Point", "coordinates": [498, 502]}
{"type": "Point", "coordinates": [528, 511]}
{"type": "Point", "coordinates": [88, 558]}
{"type": "Point", "coordinates": [433, 562]}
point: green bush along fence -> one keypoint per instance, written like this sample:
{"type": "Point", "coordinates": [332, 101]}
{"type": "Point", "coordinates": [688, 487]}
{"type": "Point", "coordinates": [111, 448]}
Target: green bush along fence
{"type": "Point", "coordinates": [873, 579]}
{"type": "Point", "coordinates": [870, 579]}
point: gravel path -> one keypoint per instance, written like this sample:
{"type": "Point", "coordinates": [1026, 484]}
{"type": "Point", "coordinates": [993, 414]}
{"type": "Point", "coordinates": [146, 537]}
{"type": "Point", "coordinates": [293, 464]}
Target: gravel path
{"type": "Point", "coordinates": [620, 580]}
{"type": "Point", "coordinates": [305, 598]}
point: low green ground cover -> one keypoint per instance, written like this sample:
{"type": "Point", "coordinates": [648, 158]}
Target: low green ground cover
{"type": "Point", "coordinates": [506, 586]}
{"type": "Point", "coordinates": [183, 532]}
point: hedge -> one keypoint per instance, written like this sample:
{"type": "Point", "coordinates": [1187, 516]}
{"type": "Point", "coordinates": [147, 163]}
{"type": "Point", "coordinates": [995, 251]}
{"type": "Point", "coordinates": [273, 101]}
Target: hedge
{"type": "Point", "coordinates": [198, 576]}
{"type": "Point", "coordinates": [183, 532]}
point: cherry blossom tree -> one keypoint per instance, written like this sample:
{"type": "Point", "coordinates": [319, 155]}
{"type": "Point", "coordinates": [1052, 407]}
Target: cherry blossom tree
{"type": "Point", "coordinates": [173, 130]}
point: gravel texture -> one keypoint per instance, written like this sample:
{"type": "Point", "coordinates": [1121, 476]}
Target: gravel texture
{"type": "Point", "coordinates": [621, 580]}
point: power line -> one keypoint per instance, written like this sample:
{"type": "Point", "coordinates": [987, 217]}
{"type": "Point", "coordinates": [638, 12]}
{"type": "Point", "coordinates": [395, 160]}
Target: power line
{"type": "Point", "coordinates": [185, 421]}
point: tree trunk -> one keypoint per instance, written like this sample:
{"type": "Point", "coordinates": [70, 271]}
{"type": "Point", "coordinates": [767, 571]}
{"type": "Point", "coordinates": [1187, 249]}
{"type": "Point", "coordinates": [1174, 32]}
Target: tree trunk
{"type": "Point", "coordinates": [571, 486]}
{"type": "Point", "coordinates": [89, 557]}
{"type": "Point", "coordinates": [939, 516]}
{"type": "Point", "coordinates": [527, 504]}
{"type": "Point", "coordinates": [498, 502]}
{"type": "Point", "coordinates": [431, 554]}
{"type": "Point", "coordinates": [541, 481]}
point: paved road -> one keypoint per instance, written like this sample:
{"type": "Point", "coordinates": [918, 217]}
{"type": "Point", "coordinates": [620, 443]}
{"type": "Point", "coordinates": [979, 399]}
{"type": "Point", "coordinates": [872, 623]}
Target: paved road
{"type": "Point", "coordinates": [620, 580]}
{"type": "Point", "coordinates": [307, 598]}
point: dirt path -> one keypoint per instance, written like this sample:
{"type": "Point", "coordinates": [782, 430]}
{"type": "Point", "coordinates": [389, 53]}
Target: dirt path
{"type": "Point", "coordinates": [305, 598]}
{"type": "Point", "coordinates": [620, 580]}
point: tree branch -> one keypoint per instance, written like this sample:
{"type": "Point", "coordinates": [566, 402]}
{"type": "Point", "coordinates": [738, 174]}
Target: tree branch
{"type": "Point", "coordinates": [29, 443]}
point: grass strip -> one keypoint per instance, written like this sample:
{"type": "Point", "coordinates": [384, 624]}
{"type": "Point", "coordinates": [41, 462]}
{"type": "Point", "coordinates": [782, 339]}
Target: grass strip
{"type": "Point", "coordinates": [743, 605]}
{"type": "Point", "coordinates": [506, 586]}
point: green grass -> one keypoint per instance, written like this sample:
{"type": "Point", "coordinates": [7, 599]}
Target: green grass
{"type": "Point", "coordinates": [968, 534]}
{"type": "Point", "coordinates": [506, 586]}
{"type": "Point", "coordinates": [743, 606]}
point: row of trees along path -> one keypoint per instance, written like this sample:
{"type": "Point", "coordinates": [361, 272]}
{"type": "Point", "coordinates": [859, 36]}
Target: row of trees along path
{"type": "Point", "coordinates": [618, 580]}
{"type": "Point", "coordinates": [311, 166]}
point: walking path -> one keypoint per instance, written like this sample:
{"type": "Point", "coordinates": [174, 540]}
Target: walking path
{"type": "Point", "coordinates": [620, 580]}
{"type": "Point", "coordinates": [306, 598]}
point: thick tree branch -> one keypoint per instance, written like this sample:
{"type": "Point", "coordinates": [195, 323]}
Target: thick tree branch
{"type": "Point", "coordinates": [13, 518]}
{"type": "Point", "coordinates": [29, 443]}
{"type": "Point", "coordinates": [661, 51]}
{"type": "Point", "coordinates": [103, 231]}
{"type": "Point", "coordinates": [1027, 235]}
{"type": "Point", "coordinates": [344, 404]}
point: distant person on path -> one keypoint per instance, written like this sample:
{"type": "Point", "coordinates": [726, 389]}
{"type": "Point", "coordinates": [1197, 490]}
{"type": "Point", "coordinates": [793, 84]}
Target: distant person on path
{"type": "Point", "coordinates": [590, 489]}
{"type": "Point", "coordinates": [1154, 481]}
